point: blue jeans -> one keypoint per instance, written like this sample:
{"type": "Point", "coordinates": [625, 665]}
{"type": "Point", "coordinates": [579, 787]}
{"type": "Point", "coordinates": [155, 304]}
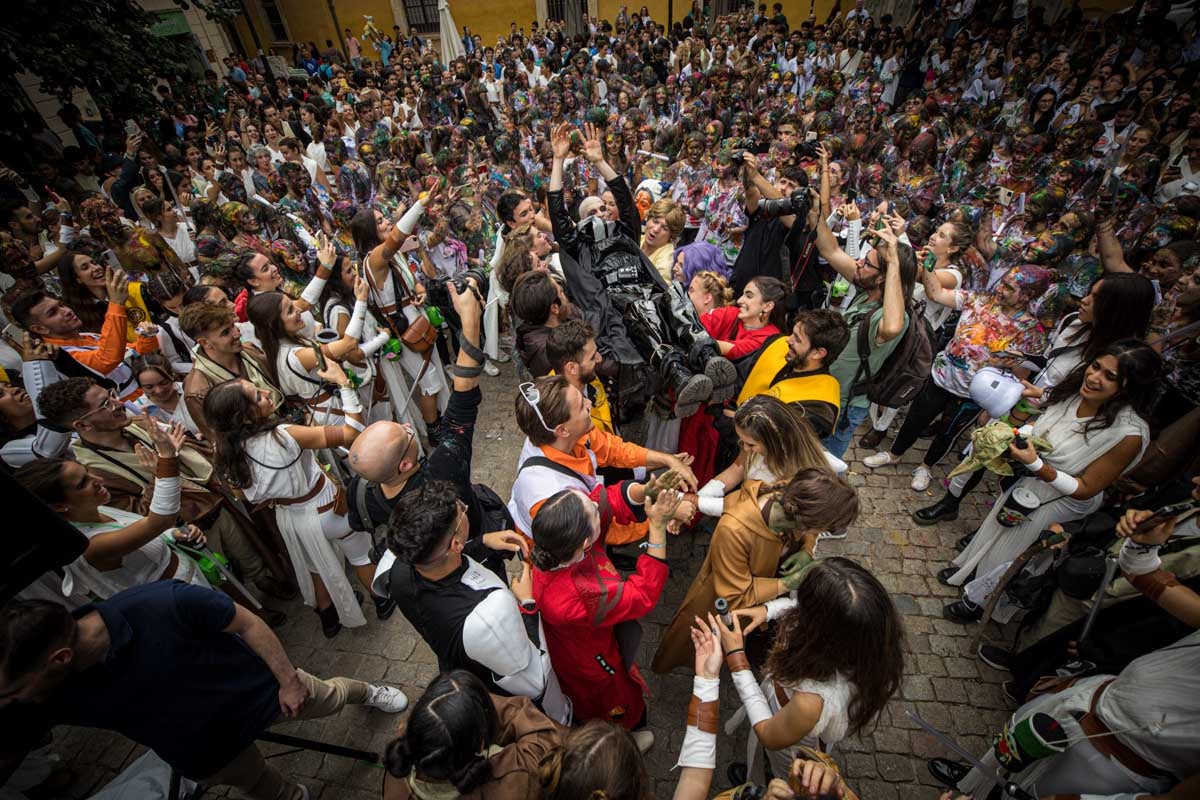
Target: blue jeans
{"type": "Point", "coordinates": [847, 424]}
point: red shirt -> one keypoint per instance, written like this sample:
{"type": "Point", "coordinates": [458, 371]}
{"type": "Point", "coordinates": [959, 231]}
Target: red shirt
{"type": "Point", "coordinates": [723, 324]}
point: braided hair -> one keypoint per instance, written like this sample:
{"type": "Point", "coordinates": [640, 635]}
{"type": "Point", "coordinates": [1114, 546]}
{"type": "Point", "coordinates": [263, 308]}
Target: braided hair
{"type": "Point", "coordinates": [447, 734]}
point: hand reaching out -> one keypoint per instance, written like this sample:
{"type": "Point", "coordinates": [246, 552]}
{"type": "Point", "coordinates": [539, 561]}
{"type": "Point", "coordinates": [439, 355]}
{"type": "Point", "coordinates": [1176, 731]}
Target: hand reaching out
{"type": "Point", "coordinates": [560, 141]}
{"type": "Point", "coordinates": [593, 147]}
{"type": "Point", "coordinates": [707, 642]}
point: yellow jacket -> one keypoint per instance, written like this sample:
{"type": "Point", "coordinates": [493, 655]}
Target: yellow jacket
{"type": "Point", "coordinates": [821, 387]}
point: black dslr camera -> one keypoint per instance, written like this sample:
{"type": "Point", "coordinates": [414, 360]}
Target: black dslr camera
{"type": "Point", "coordinates": [796, 203]}
{"type": "Point", "coordinates": [437, 294]}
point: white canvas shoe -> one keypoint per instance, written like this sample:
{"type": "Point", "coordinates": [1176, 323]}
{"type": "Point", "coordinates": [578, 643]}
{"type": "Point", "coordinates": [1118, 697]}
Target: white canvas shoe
{"type": "Point", "coordinates": [921, 478]}
{"type": "Point", "coordinates": [386, 698]}
{"type": "Point", "coordinates": [880, 459]}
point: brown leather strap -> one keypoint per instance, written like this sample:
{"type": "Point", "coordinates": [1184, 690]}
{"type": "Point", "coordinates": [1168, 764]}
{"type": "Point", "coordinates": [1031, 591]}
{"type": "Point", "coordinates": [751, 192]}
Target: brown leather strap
{"type": "Point", "coordinates": [309, 495]}
{"type": "Point", "coordinates": [167, 467]}
{"type": "Point", "coordinates": [737, 661]}
{"type": "Point", "coordinates": [1106, 743]}
{"type": "Point", "coordinates": [1153, 584]}
{"type": "Point", "coordinates": [339, 505]}
{"type": "Point", "coordinates": [706, 716]}
{"type": "Point", "coordinates": [780, 695]}
{"type": "Point", "coordinates": [335, 435]}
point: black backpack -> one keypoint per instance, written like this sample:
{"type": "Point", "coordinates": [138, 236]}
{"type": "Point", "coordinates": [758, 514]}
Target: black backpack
{"type": "Point", "coordinates": [904, 373]}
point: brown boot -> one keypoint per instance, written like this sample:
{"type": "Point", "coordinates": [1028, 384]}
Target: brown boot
{"type": "Point", "coordinates": [871, 439]}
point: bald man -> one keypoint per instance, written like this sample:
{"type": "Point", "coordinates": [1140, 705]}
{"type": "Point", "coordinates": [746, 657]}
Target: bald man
{"type": "Point", "coordinates": [386, 456]}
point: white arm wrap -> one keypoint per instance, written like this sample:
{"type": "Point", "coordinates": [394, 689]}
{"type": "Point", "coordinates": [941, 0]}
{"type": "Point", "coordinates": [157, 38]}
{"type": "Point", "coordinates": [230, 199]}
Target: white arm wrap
{"type": "Point", "coordinates": [699, 749]}
{"type": "Point", "coordinates": [380, 339]}
{"type": "Point", "coordinates": [312, 292]}
{"type": "Point", "coordinates": [1036, 464]}
{"type": "Point", "coordinates": [165, 500]}
{"type": "Point", "coordinates": [1136, 559]}
{"type": "Point", "coordinates": [777, 607]}
{"type": "Point", "coordinates": [355, 328]}
{"type": "Point", "coordinates": [752, 697]}
{"type": "Point", "coordinates": [351, 404]}
{"type": "Point", "coordinates": [854, 238]}
{"type": "Point", "coordinates": [714, 488]}
{"type": "Point", "coordinates": [1067, 484]}
{"type": "Point", "coordinates": [408, 222]}
{"type": "Point", "coordinates": [710, 506]}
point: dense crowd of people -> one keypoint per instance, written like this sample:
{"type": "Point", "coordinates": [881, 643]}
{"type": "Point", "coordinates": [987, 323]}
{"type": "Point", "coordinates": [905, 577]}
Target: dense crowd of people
{"type": "Point", "coordinates": [246, 339]}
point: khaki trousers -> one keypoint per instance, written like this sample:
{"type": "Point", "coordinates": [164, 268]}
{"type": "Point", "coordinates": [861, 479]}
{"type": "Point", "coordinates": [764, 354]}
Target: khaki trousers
{"type": "Point", "coordinates": [226, 536]}
{"type": "Point", "coordinates": [251, 773]}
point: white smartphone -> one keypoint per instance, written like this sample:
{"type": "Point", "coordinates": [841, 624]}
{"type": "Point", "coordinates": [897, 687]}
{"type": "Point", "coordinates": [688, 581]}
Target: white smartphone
{"type": "Point", "coordinates": [1004, 196]}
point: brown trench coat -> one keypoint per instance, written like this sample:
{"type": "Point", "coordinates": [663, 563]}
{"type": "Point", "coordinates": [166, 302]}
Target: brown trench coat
{"type": "Point", "coordinates": [741, 566]}
{"type": "Point", "coordinates": [526, 736]}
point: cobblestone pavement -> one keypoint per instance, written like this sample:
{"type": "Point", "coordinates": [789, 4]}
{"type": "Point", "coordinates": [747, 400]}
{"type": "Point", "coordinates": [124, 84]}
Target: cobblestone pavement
{"type": "Point", "coordinates": [944, 682]}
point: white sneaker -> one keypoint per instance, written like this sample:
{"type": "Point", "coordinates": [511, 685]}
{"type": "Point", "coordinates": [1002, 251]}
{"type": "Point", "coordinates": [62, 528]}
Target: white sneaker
{"type": "Point", "coordinates": [490, 368]}
{"type": "Point", "coordinates": [921, 477]}
{"type": "Point", "coordinates": [304, 794]}
{"type": "Point", "coordinates": [880, 459]}
{"type": "Point", "coordinates": [386, 698]}
{"type": "Point", "coordinates": [503, 358]}
{"type": "Point", "coordinates": [644, 739]}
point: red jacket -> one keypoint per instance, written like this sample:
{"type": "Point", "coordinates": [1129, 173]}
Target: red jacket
{"type": "Point", "coordinates": [580, 605]}
{"type": "Point", "coordinates": [722, 323]}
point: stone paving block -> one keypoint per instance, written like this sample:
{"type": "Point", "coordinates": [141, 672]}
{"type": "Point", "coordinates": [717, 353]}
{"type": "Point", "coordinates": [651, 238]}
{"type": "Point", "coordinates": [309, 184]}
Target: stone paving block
{"type": "Point", "coordinates": [944, 682]}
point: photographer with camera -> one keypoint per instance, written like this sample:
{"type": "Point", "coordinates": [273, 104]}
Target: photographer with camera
{"type": "Point", "coordinates": [773, 245]}
{"type": "Point", "coordinates": [181, 670]}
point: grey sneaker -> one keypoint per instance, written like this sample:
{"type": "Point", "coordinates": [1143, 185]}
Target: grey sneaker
{"type": "Point", "coordinates": [490, 368]}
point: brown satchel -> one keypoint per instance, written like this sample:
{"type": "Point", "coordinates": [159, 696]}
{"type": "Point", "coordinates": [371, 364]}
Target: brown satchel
{"type": "Point", "coordinates": [420, 336]}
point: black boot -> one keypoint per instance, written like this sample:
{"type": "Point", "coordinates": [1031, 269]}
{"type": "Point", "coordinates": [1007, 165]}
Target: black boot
{"type": "Point", "coordinates": [331, 626]}
{"type": "Point", "coordinates": [943, 510]}
{"type": "Point", "coordinates": [689, 390]}
{"type": "Point", "coordinates": [705, 357]}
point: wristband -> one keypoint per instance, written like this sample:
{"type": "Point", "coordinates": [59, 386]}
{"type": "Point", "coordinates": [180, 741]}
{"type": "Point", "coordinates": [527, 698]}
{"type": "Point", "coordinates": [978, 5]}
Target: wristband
{"type": "Point", "coordinates": [1138, 560]}
{"type": "Point", "coordinates": [757, 709]}
{"type": "Point", "coordinates": [1035, 465]}
{"type": "Point", "coordinates": [408, 222]}
{"type": "Point", "coordinates": [380, 339]}
{"type": "Point", "coordinates": [652, 545]}
{"type": "Point", "coordinates": [351, 404]}
{"type": "Point", "coordinates": [312, 292]}
{"type": "Point", "coordinates": [736, 660]}
{"type": "Point", "coordinates": [1067, 484]}
{"type": "Point", "coordinates": [165, 500]}
{"type": "Point", "coordinates": [710, 506]}
{"type": "Point", "coordinates": [355, 328]}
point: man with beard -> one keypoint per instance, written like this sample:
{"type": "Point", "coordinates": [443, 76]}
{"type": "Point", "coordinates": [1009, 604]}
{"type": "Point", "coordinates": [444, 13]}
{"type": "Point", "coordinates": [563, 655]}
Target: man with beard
{"type": "Point", "coordinates": [572, 353]}
{"type": "Point", "coordinates": [885, 277]}
{"type": "Point", "coordinates": [796, 370]}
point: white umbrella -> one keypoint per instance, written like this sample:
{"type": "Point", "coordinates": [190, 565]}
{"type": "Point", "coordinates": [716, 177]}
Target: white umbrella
{"type": "Point", "coordinates": [452, 46]}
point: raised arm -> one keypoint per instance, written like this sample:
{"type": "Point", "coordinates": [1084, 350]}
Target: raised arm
{"type": "Point", "coordinates": [827, 244]}
{"type": "Point", "coordinates": [891, 324]}
{"type": "Point", "coordinates": [345, 346]}
{"type": "Point", "coordinates": [1112, 257]}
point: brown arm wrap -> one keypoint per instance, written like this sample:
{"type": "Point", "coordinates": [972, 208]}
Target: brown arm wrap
{"type": "Point", "coordinates": [704, 716]}
{"type": "Point", "coordinates": [166, 467]}
{"type": "Point", "coordinates": [737, 661]}
{"type": "Point", "coordinates": [335, 435]}
{"type": "Point", "coordinates": [1153, 584]}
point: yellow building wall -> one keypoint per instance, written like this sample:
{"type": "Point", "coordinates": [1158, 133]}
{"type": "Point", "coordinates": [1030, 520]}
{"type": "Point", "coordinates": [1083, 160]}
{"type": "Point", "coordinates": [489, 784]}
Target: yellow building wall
{"type": "Point", "coordinates": [310, 21]}
{"type": "Point", "coordinates": [491, 18]}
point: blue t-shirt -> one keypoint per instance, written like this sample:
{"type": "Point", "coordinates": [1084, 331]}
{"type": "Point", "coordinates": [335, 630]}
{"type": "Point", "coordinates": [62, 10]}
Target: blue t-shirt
{"type": "Point", "coordinates": [172, 679]}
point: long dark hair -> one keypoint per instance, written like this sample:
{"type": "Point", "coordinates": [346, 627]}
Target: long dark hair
{"type": "Point", "coordinates": [364, 231]}
{"type": "Point", "coordinates": [232, 420]}
{"type": "Point", "coordinates": [263, 311]}
{"type": "Point", "coordinates": [774, 291]}
{"type": "Point", "coordinates": [75, 294]}
{"type": "Point", "coordinates": [447, 734]}
{"type": "Point", "coordinates": [336, 292]}
{"type": "Point", "coordinates": [597, 760]}
{"type": "Point", "coordinates": [1138, 371]}
{"type": "Point", "coordinates": [844, 623]}
{"type": "Point", "coordinates": [1121, 309]}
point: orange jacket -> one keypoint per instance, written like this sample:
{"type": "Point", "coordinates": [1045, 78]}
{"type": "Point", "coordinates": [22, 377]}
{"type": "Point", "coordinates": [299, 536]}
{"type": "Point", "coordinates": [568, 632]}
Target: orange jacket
{"type": "Point", "coordinates": [104, 352]}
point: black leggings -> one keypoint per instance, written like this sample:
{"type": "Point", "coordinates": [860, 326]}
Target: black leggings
{"type": "Point", "coordinates": [932, 401]}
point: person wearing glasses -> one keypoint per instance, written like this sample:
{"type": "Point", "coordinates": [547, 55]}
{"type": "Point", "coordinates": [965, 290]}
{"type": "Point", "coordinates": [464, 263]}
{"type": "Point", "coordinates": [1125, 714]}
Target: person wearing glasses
{"type": "Point", "coordinates": [387, 460]}
{"type": "Point", "coordinates": [117, 451]}
{"type": "Point", "coordinates": [563, 449]}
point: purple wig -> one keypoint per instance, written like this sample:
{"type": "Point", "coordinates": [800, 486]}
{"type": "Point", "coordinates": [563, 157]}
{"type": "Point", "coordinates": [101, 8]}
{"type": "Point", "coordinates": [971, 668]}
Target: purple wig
{"type": "Point", "coordinates": [700, 256]}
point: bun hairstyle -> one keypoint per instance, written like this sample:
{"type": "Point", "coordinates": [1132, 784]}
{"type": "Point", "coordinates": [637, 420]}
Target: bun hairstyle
{"type": "Point", "coordinates": [447, 734]}
{"type": "Point", "coordinates": [716, 285]}
{"type": "Point", "coordinates": [598, 761]}
{"type": "Point", "coordinates": [561, 526]}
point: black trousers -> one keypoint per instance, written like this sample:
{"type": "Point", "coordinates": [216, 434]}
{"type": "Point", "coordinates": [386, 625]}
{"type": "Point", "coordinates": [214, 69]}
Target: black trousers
{"type": "Point", "coordinates": [931, 402]}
